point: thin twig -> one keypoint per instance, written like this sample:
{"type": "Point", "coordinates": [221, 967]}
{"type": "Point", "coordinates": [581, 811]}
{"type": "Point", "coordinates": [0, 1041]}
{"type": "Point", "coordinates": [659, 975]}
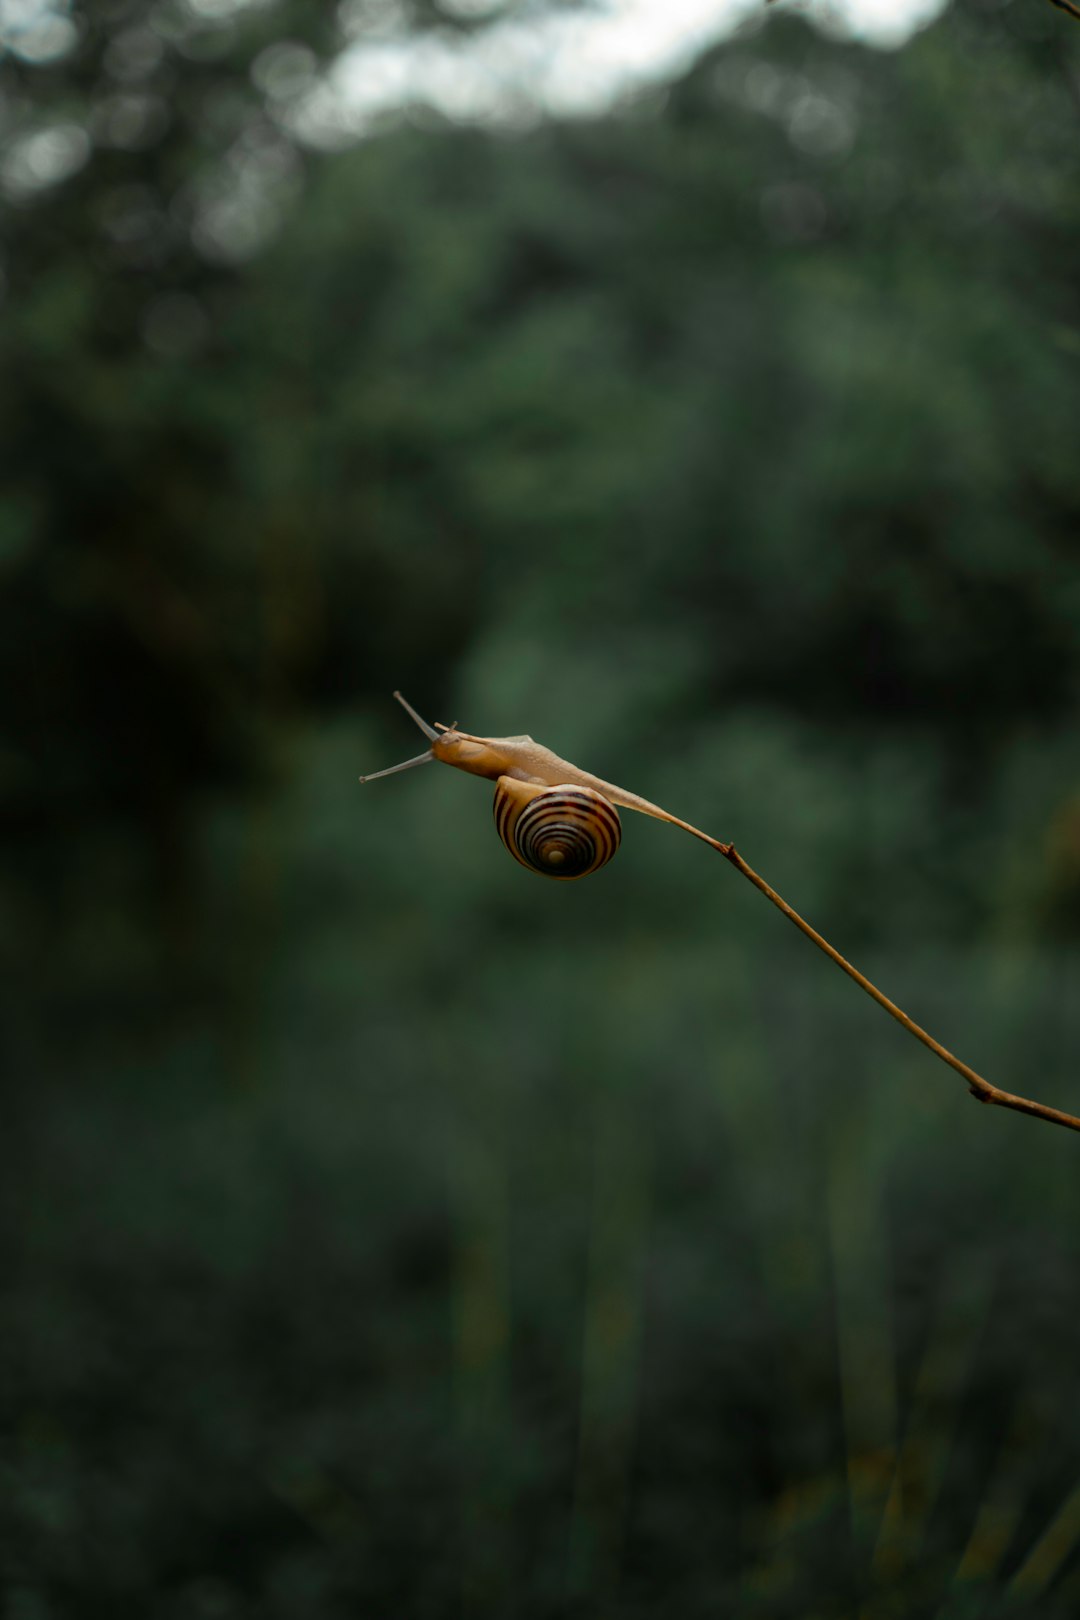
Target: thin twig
{"type": "Point", "coordinates": [981, 1089]}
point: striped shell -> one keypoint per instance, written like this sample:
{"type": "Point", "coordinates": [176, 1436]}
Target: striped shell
{"type": "Point", "coordinates": [562, 832]}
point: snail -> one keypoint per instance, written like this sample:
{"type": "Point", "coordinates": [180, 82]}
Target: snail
{"type": "Point", "coordinates": [553, 817]}
{"type": "Point", "coordinates": [563, 822]}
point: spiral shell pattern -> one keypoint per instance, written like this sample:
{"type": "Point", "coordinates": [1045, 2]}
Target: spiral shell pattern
{"type": "Point", "coordinates": [564, 832]}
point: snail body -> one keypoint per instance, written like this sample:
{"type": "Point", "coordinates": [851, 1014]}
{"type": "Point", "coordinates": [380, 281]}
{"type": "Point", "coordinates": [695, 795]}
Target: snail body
{"type": "Point", "coordinates": [553, 817]}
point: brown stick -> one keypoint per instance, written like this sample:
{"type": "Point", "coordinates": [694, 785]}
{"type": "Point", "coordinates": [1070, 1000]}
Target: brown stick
{"type": "Point", "coordinates": [981, 1089]}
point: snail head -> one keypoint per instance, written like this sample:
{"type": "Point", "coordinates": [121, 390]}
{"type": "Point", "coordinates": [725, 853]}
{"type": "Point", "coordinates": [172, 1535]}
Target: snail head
{"type": "Point", "coordinates": [468, 753]}
{"type": "Point", "coordinates": [452, 747]}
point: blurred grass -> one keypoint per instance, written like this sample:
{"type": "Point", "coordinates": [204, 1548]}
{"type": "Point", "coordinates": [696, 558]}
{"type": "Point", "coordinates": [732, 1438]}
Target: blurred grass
{"type": "Point", "coordinates": [627, 1275]}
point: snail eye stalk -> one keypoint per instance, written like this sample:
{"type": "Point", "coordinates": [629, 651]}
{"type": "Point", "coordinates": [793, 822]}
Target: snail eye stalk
{"type": "Point", "coordinates": [429, 731]}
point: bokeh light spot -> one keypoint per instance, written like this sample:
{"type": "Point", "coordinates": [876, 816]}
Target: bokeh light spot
{"type": "Point", "coordinates": [42, 158]}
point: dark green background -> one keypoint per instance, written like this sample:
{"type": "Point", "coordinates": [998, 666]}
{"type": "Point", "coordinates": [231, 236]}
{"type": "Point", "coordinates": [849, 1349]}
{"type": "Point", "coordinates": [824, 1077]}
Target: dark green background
{"type": "Point", "coordinates": [387, 1232]}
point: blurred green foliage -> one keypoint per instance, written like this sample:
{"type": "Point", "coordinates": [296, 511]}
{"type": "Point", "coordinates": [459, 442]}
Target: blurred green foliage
{"type": "Point", "coordinates": [386, 1231]}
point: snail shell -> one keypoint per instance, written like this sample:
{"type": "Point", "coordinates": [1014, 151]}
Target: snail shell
{"type": "Point", "coordinates": [561, 832]}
